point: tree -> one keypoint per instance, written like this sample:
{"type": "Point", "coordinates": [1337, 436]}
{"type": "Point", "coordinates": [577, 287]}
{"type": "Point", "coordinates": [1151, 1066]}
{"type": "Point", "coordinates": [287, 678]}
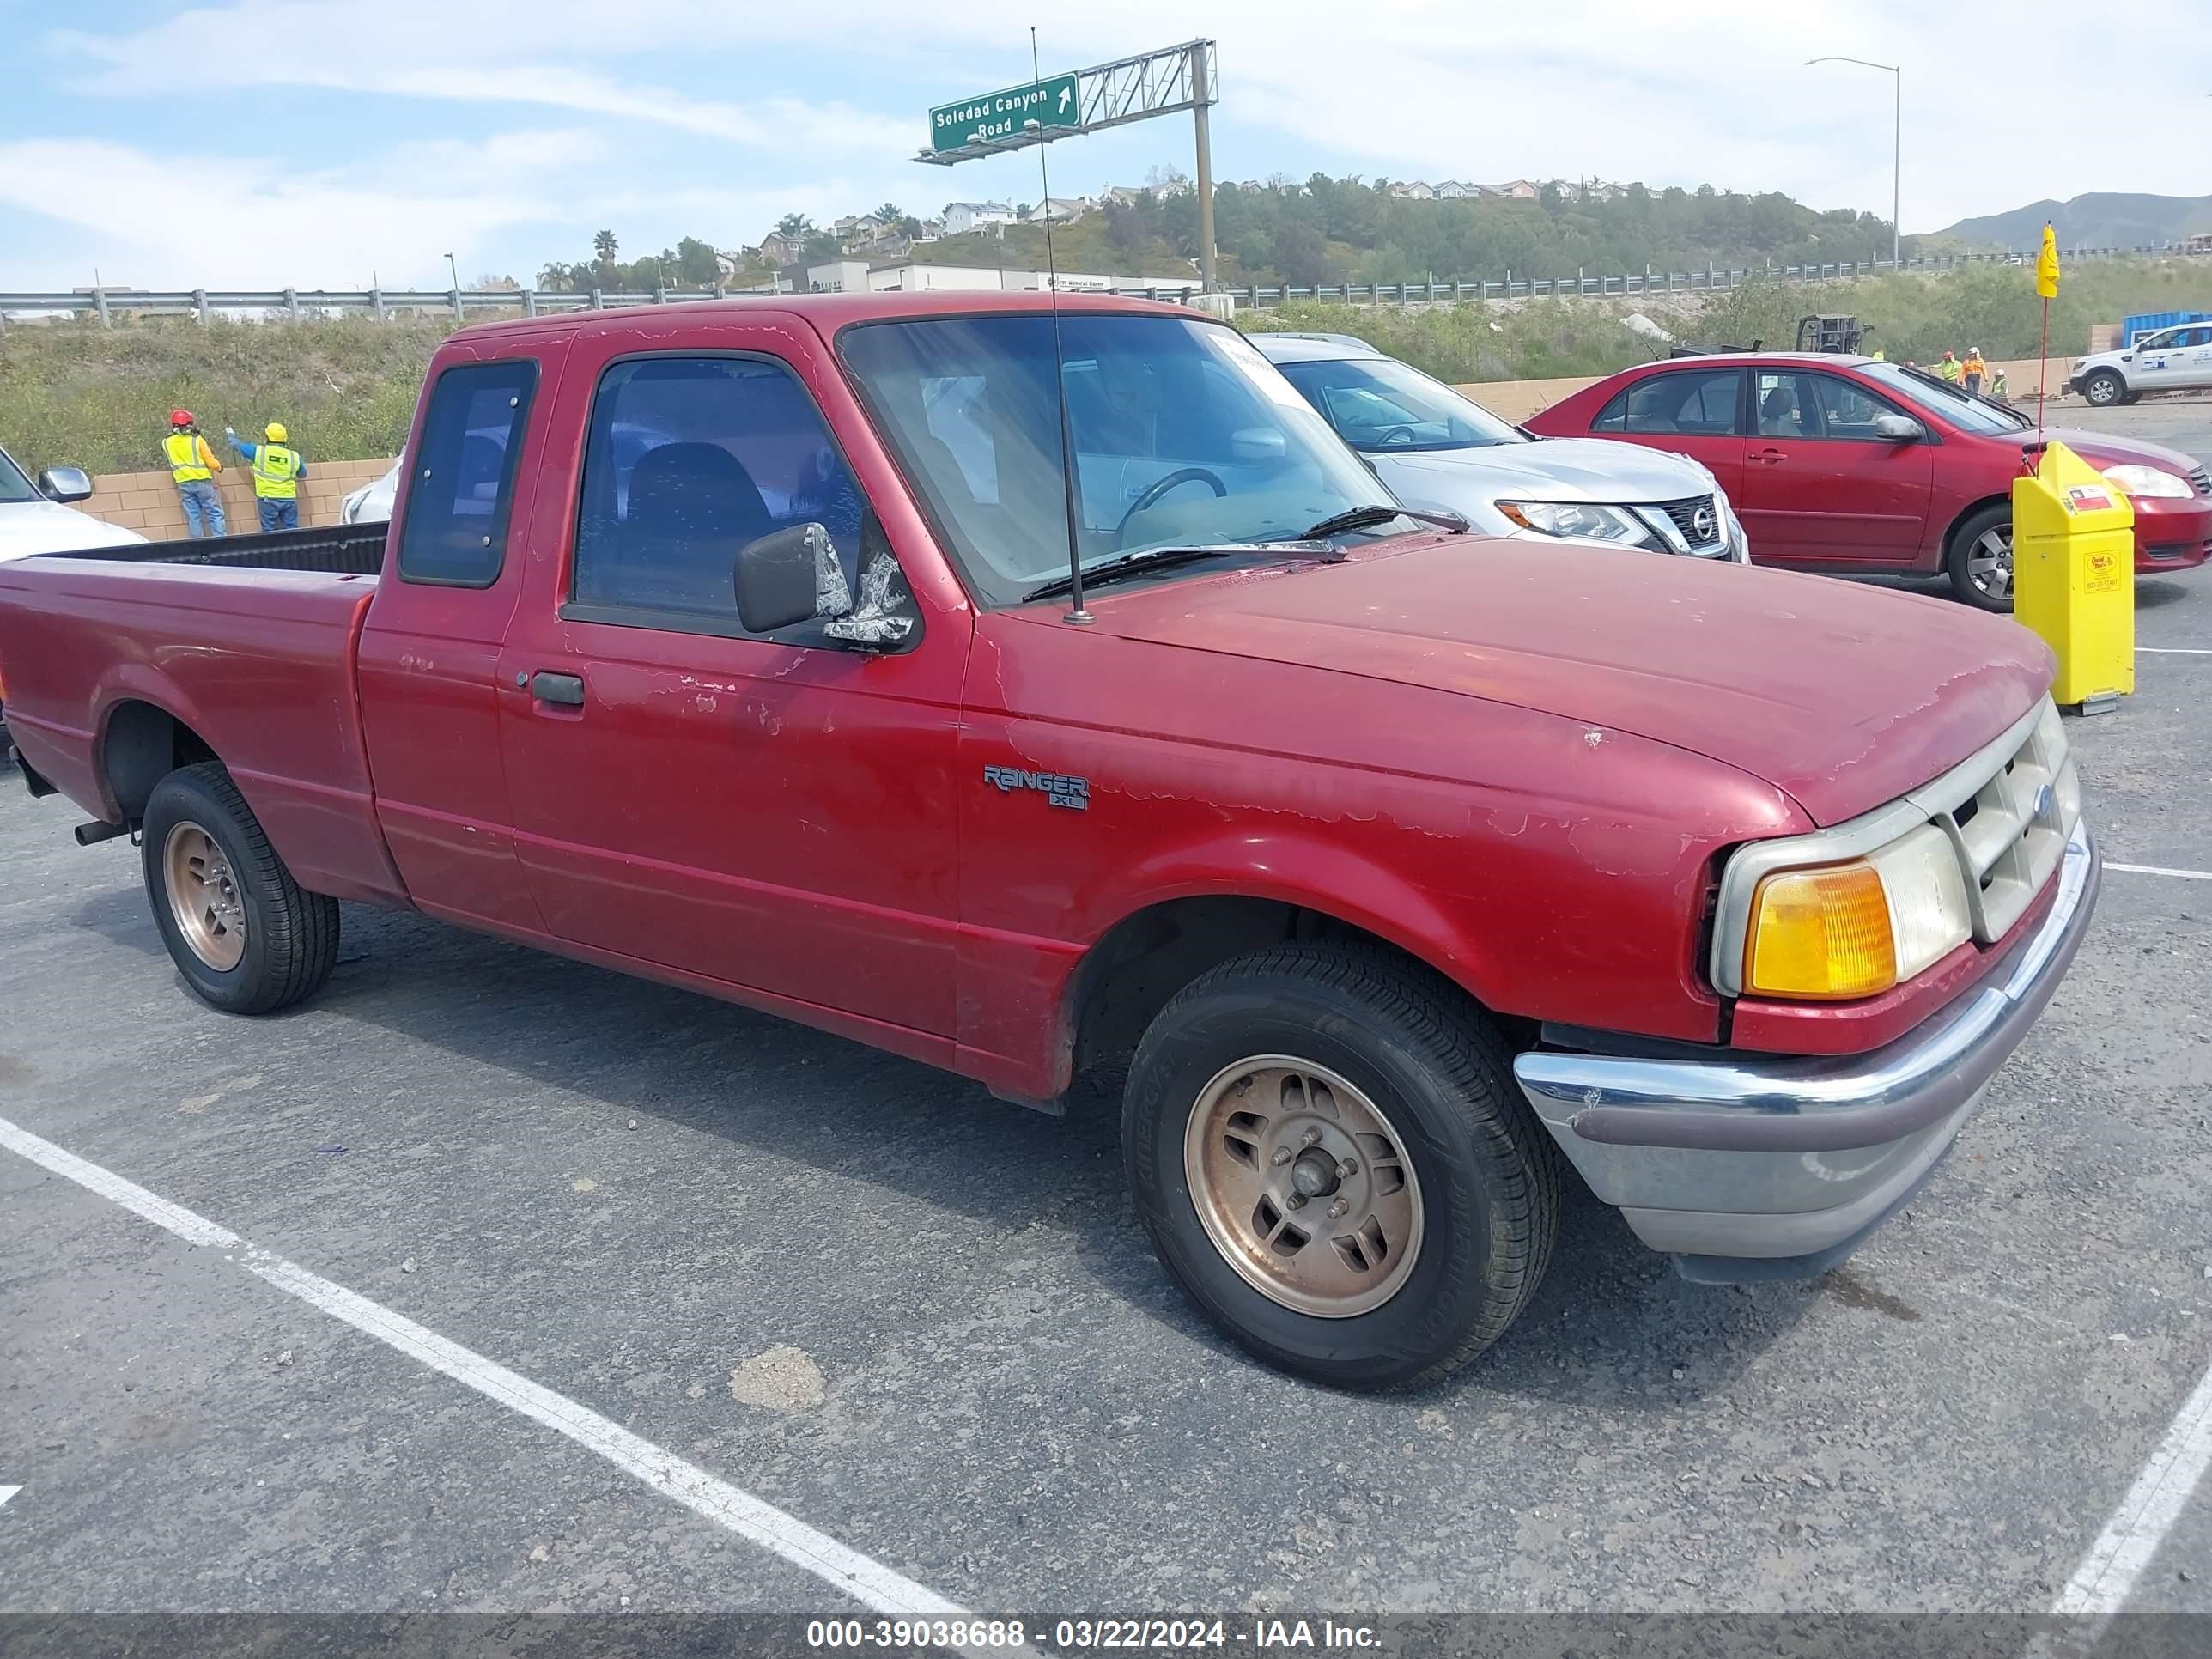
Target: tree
{"type": "Point", "coordinates": [795, 227]}
{"type": "Point", "coordinates": [603, 248]}
{"type": "Point", "coordinates": [695, 263]}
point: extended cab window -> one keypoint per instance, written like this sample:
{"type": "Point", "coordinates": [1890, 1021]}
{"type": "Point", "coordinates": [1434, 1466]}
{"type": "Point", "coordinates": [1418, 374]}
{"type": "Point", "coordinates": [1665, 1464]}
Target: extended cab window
{"type": "Point", "coordinates": [460, 491]}
{"type": "Point", "coordinates": [1696, 403]}
{"type": "Point", "coordinates": [689, 459]}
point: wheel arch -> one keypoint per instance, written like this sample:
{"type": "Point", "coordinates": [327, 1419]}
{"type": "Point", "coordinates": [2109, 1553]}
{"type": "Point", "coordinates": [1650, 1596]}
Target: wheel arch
{"type": "Point", "coordinates": [141, 742]}
{"type": "Point", "coordinates": [1959, 519]}
{"type": "Point", "coordinates": [1127, 975]}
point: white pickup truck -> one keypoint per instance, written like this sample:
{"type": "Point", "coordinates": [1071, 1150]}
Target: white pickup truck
{"type": "Point", "coordinates": [2171, 359]}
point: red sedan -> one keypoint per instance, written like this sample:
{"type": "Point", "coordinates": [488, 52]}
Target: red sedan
{"type": "Point", "coordinates": [1844, 464]}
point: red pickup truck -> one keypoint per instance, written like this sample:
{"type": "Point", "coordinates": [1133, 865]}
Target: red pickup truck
{"type": "Point", "coordinates": [1402, 871]}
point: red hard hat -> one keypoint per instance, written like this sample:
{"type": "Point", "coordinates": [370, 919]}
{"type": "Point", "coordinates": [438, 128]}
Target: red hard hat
{"type": "Point", "coordinates": [180, 417]}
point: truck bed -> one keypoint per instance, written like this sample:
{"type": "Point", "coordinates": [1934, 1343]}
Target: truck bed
{"type": "Point", "coordinates": [346, 550]}
{"type": "Point", "coordinates": [248, 642]}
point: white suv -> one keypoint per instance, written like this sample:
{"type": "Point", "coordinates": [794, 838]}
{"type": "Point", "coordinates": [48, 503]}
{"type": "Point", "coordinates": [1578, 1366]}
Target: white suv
{"type": "Point", "coordinates": [2171, 359]}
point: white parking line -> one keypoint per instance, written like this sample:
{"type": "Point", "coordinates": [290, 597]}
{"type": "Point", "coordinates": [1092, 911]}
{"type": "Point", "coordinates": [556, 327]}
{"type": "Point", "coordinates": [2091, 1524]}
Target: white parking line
{"type": "Point", "coordinates": [7, 1493]}
{"type": "Point", "coordinates": [2160, 870]}
{"type": "Point", "coordinates": [2108, 1573]}
{"type": "Point", "coordinates": [865, 1580]}
{"type": "Point", "coordinates": [2175, 650]}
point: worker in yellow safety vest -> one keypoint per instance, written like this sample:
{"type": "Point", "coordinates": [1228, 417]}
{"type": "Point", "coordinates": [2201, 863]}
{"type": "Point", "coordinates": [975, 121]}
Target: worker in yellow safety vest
{"type": "Point", "coordinates": [1951, 368]}
{"type": "Point", "coordinates": [278, 469]}
{"type": "Point", "coordinates": [193, 465]}
{"type": "Point", "coordinates": [1975, 371]}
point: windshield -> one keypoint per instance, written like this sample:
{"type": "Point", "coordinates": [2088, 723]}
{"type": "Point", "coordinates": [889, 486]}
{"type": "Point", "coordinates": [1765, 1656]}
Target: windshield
{"type": "Point", "coordinates": [1967, 413]}
{"type": "Point", "coordinates": [1183, 435]}
{"type": "Point", "coordinates": [14, 486]}
{"type": "Point", "coordinates": [1376, 402]}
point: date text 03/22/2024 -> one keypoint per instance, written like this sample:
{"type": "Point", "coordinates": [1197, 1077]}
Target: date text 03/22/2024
{"type": "Point", "coordinates": [1288, 1636]}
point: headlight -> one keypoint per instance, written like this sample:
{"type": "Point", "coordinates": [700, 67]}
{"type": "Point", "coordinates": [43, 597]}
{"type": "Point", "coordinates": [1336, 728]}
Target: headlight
{"type": "Point", "coordinates": [2147, 481]}
{"type": "Point", "coordinates": [1581, 519]}
{"type": "Point", "coordinates": [1855, 929]}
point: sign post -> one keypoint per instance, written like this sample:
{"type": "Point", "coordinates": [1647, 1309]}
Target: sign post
{"type": "Point", "coordinates": [995, 116]}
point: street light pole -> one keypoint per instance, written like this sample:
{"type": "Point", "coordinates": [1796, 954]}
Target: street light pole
{"type": "Point", "coordinates": [456, 270]}
{"type": "Point", "coordinates": [1897, 152]}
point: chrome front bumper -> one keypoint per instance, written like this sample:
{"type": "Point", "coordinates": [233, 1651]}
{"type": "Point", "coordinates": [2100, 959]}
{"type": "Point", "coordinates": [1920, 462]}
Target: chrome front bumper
{"type": "Point", "coordinates": [1769, 1166]}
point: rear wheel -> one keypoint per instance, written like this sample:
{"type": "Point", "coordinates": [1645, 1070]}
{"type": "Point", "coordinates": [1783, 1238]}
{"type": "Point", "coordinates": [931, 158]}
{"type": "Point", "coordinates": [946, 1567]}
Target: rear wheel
{"type": "Point", "coordinates": [1980, 560]}
{"type": "Point", "coordinates": [2104, 388]}
{"type": "Point", "coordinates": [1330, 1153]}
{"type": "Point", "coordinates": [244, 934]}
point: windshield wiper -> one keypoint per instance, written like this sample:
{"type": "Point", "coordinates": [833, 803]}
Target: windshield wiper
{"type": "Point", "coordinates": [1366, 518]}
{"type": "Point", "coordinates": [1127, 564]}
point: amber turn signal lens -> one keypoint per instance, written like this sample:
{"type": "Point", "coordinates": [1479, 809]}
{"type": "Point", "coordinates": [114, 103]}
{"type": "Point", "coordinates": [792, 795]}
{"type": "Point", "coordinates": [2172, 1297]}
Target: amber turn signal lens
{"type": "Point", "coordinates": [1822, 933]}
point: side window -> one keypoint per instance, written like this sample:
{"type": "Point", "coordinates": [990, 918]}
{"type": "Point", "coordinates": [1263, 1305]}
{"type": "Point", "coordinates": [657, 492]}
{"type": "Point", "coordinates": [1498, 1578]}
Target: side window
{"type": "Point", "coordinates": [1698, 403]}
{"type": "Point", "coordinates": [689, 459]}
{"type": "Point", "coordinates": [1782, 407]}
{"type": "Point", "coordinates": [460, 491]}
{"type": "Point", "coordinates": [1847, 410]}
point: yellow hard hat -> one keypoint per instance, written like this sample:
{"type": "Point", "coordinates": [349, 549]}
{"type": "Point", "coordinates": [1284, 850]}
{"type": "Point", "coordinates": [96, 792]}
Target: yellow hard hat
{"type": "Point", "coordinates": [275, 433]}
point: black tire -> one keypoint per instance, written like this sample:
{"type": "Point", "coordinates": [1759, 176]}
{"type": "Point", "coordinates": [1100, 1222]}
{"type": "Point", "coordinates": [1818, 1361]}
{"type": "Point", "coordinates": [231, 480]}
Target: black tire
{"type": "Point", "coordinates": [1959, 560]}
{"type": "Point", "coordinates": [2102, 388]}
{"type": "Point", "coordinates": [291, 941]}
{"type": "Point", "coordinates": [1487, 1171]}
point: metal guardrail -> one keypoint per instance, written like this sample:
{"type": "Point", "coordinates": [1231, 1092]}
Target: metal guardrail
{"type": "Point", "coordinates": [296, 304]}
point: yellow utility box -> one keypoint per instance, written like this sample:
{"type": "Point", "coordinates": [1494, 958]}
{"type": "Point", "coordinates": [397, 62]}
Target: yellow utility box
{"type": "Point", "coordinates": [2074, 575]}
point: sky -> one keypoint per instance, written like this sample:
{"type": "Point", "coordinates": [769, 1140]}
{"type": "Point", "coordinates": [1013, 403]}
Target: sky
{"type": "Point", "coordinates": [263, 143]}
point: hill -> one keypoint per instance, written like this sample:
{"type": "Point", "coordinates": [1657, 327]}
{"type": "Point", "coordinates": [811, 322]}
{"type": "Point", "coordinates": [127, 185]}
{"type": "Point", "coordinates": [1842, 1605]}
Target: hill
{"type": "Point", "coordinates": [2102, 218]}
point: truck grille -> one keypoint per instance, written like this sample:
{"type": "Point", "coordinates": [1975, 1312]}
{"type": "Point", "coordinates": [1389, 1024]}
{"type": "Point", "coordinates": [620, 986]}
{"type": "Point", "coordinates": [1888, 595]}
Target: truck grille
{"type": "Point", "coordinates": [1684, 515]}
{"type": "Point", "coordinates": [2008, 816]}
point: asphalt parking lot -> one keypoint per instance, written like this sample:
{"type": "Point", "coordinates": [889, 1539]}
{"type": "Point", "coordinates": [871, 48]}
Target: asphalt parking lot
{"type": "Point", "coordinates": [927, 1325]}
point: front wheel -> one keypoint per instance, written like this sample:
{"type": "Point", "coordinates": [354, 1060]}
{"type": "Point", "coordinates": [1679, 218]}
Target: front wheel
{"type": "Point", "coordinates": [1980, 560]}
{"type": "Point", "coordinates": [1328, 1150]}
{"type": "Point", "coordinates": [247, 938]}
{"type": "Point", "coordinates": [2104, 388]}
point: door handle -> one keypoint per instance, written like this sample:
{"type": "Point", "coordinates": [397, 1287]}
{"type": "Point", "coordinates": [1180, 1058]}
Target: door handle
{"type": "Point", "coordinates": [566, 689]}
{"type": "Point", "coordinates": [1770, 456]}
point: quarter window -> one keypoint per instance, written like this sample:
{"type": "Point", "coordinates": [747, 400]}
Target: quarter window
{"type": "Point", "coordinates": [689, 459]}
{"type": "Point", "coordinates": [460, 491]}
{"type": "Point", "coordinates": [1693, 403]}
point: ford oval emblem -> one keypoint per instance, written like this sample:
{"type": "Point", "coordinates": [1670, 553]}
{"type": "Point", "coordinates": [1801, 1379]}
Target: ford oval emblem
{"type": "Point", "coordinates": [1704, 525]}
{"type": "Point", "coordinates": [2046, 803]}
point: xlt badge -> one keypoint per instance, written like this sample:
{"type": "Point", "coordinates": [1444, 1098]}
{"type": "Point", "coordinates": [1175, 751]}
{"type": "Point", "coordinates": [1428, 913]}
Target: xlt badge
{"type": "Point", "coordinates": [1073, 793]}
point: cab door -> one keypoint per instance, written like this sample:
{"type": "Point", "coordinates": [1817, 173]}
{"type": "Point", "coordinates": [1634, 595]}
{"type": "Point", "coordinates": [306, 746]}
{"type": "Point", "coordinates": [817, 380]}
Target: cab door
{"type": "Point", "coordinates": [770, 812]}
{"type": "Point", "coordinates": [428, 659]}
{"type": "Point", "coordinates": [2163, 360]}
{"type": "Point", "coordinates": [1822, 483]}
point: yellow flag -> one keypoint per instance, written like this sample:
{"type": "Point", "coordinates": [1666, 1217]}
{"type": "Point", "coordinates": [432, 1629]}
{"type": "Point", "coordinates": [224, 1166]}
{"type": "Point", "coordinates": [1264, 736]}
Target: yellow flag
{"type": "Point", "coordinates": [2046, 264]}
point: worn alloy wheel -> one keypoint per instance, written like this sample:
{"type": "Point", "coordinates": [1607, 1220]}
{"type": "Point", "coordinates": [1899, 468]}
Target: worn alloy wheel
{"type": "Point", "coordinates": [1303, 1185]}
{"type": "Point", "coordinates": [203, 896]}
{"type": "Point", "coordinates": [2104, 388]}
{"type": "Point", "coordinates": [1327, 1147]}
{"type": "Point", "coordinates": [245, 936]}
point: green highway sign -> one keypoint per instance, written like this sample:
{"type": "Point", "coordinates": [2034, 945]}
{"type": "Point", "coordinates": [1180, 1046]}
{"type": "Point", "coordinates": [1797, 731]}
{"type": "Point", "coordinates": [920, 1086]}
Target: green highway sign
{"type": "Point", "coordinates": [1051, 102]}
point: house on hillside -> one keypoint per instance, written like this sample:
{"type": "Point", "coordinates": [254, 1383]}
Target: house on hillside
{"type": "Point", "coordinates": [1452, 189]}
{"type": "Point", "coordinates": [1121, 196]}
{"type": "Point", "coordinates": [965, 218]}
{"type": "Point", "coordinates": [1062, 209]}
{"type": "Point", "coordinates": [1520, 190]}
{"type": "Point", "coordinates": [930, 231]}
{"type": "Point", "coordinates": [778, 249]}
{"type": "Point", "coordinates": [1412, 190]}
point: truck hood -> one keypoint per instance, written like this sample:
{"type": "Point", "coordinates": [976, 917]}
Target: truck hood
{"type": "Point", "coordinates": [2102, 449]}
{"type": "Point", "coordinates": [1550, 469]}
{"type": "Point", "coordinates": [28, 527]}
{"type": "Point", "coordinates": [1845, 696]}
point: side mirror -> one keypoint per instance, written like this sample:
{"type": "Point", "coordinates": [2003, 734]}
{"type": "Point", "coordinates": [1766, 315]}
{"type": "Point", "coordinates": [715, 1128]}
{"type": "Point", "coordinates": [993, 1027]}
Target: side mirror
{"type": "Point", "coordinates": [789, 577]}
{"type": "Point", "coordinates": [1899, 428]}
{"type": "Point", "coordinates": [65, 483]}
{"type": "Point", "coordinates": [1258, 443]}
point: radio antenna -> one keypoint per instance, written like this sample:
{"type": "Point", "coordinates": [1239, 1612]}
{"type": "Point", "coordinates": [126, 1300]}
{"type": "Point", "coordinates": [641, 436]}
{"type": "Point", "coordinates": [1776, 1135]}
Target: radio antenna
{"type": "Point", "coordinates": [1077, 617]}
